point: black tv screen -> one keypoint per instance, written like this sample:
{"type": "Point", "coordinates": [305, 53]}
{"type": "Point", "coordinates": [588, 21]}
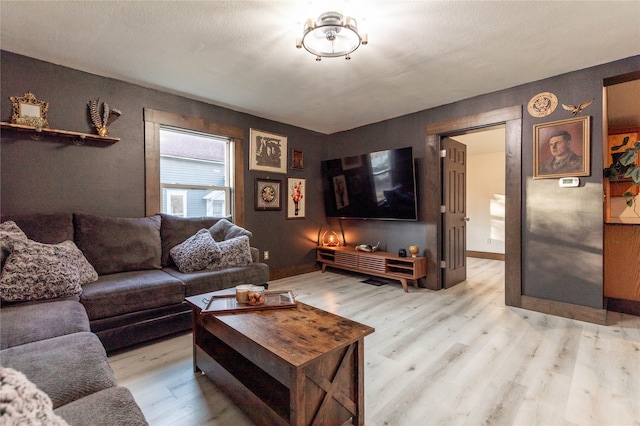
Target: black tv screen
{"type": "Point", "coordinates": [378, 185]}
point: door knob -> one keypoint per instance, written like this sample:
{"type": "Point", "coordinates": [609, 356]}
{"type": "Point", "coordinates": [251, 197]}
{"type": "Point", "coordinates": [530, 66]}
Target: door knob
{"type": "Point", "coordinates": [466, 219]}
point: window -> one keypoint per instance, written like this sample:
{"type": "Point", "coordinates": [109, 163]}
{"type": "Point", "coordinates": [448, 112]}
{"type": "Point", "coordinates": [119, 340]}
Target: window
{"type": "Point", "coordinates": [175, 202]}
{"type": "Point", "coordinates": [195, 173]}
{"type": "Point", "coordinates": [216, 197]}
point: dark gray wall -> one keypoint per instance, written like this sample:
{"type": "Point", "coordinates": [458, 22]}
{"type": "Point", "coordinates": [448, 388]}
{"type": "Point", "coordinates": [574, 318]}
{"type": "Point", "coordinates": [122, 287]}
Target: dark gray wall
{"type": "Point", "coordinates": [108, 179]}
{"type": "Point", "coordinates": [562, 228]}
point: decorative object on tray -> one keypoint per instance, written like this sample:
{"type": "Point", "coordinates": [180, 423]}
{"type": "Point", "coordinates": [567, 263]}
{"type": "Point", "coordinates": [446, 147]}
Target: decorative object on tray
{"type": "Point", "coordinates": [29, 111]}
{"type": "Point", "coordinates": [104, 120]}
{"type": "Point", "coordinates": [296, 200]}
{"type": "Point", "coordinates": [368, 248]}
{"type": "Point", "coordinates": [276, 299]}
{"type": "Point", "coordinates": [562, 148]}
{"type": "Point", "coordinates": [268, 194]}
{"type": "Point", "coordinates": [267, 152]}
{"type": "Point", "coordinates": [542, 104]}
{"type": "Point", "coordinates": [575, 110]}
{"type": "Point", "coordinates": [414, 250]}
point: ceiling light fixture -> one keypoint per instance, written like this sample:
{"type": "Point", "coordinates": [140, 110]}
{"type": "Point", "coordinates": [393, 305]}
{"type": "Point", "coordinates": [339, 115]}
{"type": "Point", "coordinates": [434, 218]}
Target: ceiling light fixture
{"type": "Point", "coordinates": [331, 35]}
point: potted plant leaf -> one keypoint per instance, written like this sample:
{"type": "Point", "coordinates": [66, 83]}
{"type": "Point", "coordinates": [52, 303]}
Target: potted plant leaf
{"type": "Point", "coordinates": [624, 168]}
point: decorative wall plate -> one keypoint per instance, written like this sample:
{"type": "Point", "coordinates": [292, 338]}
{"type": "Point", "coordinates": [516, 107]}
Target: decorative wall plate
{"type": "Point", "coordinates": [542, 104]}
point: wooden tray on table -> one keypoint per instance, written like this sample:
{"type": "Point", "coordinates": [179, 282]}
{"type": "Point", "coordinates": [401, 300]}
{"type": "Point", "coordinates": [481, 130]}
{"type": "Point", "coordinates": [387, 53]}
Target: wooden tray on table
{"type": "Point", "coordinates": [227, 303]}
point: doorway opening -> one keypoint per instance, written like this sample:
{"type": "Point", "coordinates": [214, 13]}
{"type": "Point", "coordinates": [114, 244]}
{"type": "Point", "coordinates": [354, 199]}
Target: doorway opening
{"type": "Point", "coordinates": [511, 118]}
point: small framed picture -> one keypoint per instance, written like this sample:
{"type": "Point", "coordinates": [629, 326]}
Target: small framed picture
{"type": "Point", "coordinates": [562, 148]}
{"type": "Point", "coordinates": [297, 159]}
{"type": "Point", "coordinates": [267, 152]}
{"type": "Point", "coordinates": [29, 111]}
{"type": "Point", "coordinates": [296, 198]}
{"type": "Point", "coordinates": [268, 194]}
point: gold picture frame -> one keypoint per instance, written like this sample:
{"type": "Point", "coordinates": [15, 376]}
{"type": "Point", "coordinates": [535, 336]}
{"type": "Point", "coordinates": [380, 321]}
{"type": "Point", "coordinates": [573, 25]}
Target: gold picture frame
{"type": "Point", "coordinates": [562, 148]}
{"type": "Point", "coordinates": [29, 111]}
{"type": "Point", "coordinates": [267, 152]}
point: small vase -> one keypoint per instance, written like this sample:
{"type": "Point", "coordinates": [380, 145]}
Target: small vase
{"type": "Point", "coordinates": [297, 208]}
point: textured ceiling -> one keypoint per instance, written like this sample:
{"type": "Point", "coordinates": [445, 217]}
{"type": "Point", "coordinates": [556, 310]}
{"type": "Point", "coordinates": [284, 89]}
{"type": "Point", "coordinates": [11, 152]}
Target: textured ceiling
{"type": "Point", "coordinates": [242, 55]}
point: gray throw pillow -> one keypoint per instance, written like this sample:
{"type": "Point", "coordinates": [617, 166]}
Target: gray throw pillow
{"type": "Point", "coordinates": [224, 230]}
{"type": "Point", "coordinates": [233, 252]}
{"type": "Point", "coordinates": [36, 271]}
{"type": "Point", "coordinates": [196, 252]}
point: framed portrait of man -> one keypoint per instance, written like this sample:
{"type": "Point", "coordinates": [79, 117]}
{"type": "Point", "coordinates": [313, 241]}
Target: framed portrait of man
{"type": "Point", "coordinates": [562, 148]}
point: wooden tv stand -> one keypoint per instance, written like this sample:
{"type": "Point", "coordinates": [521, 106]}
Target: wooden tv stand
{"type": "Point", "coordinates": [379, 263]}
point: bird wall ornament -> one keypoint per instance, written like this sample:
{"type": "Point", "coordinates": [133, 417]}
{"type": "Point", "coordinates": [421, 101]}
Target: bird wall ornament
{"type": "Point", "coordinates": [104, 120]}
{"type": "Point", "coordinates": [575, 110]}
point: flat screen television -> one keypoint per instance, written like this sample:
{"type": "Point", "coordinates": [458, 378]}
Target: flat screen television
{"type": "Point", "coordinates": [379, 185]}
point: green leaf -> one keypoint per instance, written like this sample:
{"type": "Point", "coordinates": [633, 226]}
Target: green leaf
{"type": "Point", "coordinates": [624, 142]}
{"type": "Point", "coordinates": [629, 157]}
{"type": "Point", "coordinates": [634, 174]}
{"type": "Point", "coordinates": [630, 202]}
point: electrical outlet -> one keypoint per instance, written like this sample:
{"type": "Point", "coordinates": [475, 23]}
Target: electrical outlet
{"type": "Point", "coordinates": [489, 240]}
{"type": "Point", "coordinates": [266, 255]}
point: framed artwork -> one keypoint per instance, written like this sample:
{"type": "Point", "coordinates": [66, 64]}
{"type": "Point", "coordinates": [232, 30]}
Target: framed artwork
{"type": "Point", "coordinates": [562, 148]}
{"type": "Point", "coordinates": [296, 188]}
{"type": "Point", "coordinates": [267, 152]}
{"type": "Point", "coordinates": [268, 194]}
{"type": "Point", "coordinates": [297, 159]}
{"type": "Point", "coordinates": [29, 111]}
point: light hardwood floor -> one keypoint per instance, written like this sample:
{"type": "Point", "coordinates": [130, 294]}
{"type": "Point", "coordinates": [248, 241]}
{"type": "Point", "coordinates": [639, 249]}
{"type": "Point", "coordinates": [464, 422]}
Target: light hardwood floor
{"type": "Point", "coordinates": [453, 357]}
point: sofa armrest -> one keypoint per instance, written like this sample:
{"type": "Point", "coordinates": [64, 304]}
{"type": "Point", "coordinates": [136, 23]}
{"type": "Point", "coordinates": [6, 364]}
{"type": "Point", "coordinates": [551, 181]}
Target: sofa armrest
{"type": "Point", "coordinates": [255, 255]}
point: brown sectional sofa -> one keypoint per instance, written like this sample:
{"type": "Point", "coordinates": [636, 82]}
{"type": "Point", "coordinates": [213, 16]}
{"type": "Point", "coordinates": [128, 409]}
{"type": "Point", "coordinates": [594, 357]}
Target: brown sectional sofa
{"type": "Point", "coordinates": [61, 344]}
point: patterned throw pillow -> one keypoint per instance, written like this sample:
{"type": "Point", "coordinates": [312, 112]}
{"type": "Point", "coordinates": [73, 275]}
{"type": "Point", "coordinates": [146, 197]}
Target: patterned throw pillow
{"type": "Point", "coordinates": [234, 252]}
{"type": "Point", "coordinates": [224, 230]}
{"type": "Point", "coordinates": [86, 272]}
{"type": "Point", "coordinates": [22, 403]}
{"type": "Point", "coordinates": [36, 271]}
{"type": "Point", "coordinates": [196, 252]}
{"type": "Point", "coordinates": [9, 234]}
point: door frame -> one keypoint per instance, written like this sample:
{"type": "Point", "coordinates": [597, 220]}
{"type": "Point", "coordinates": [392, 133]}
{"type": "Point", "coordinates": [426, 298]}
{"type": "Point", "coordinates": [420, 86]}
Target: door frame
{"type": "Point", "coordinates": [511, 117]}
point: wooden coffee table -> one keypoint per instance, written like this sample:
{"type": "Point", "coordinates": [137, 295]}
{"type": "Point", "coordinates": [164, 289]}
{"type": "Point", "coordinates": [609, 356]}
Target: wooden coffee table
{"type": "Point", "coordinates": [297, 366]}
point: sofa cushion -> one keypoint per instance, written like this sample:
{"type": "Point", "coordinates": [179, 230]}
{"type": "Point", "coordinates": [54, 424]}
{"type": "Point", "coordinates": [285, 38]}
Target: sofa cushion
{"type": "Point", "coordinates": [175, 230]}
{"type": "Point", "coordinates": [126, 292]}
{"type": "Point", "coordinates": [207, 280]}
{"type": "Point", "coordinates": [26, 323]}
{"type": "Point", "coordinates": [113, 244]}
{"type": "Point", "coordinates": [67, 368]}
{"type": "Point", "coordinates": [196, 252]}
{"type": "Point", "coordinates": [224, 230]}
{"type": "Point", "coordinates": [113, 406]}
{"type": "Point", "coordinates": [233, 252]}
{"type": "Point", "coordinates": [48, 228]}
{"type": "Point", "coordinates": [22, 403]}
{"type": "Point", "coordinates": [37, 271]}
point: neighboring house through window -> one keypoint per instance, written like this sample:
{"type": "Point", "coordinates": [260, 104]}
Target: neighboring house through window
{"type": "Point", "coordinates": [190, 167]}
{"type": "Point", "coordinates": [194, 173]}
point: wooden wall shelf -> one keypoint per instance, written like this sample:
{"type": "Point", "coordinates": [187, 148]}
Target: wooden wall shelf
{"type": "Point", "coordinates": [76, 136]}
{"type": "Point", "coordinates": [380, 263]}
